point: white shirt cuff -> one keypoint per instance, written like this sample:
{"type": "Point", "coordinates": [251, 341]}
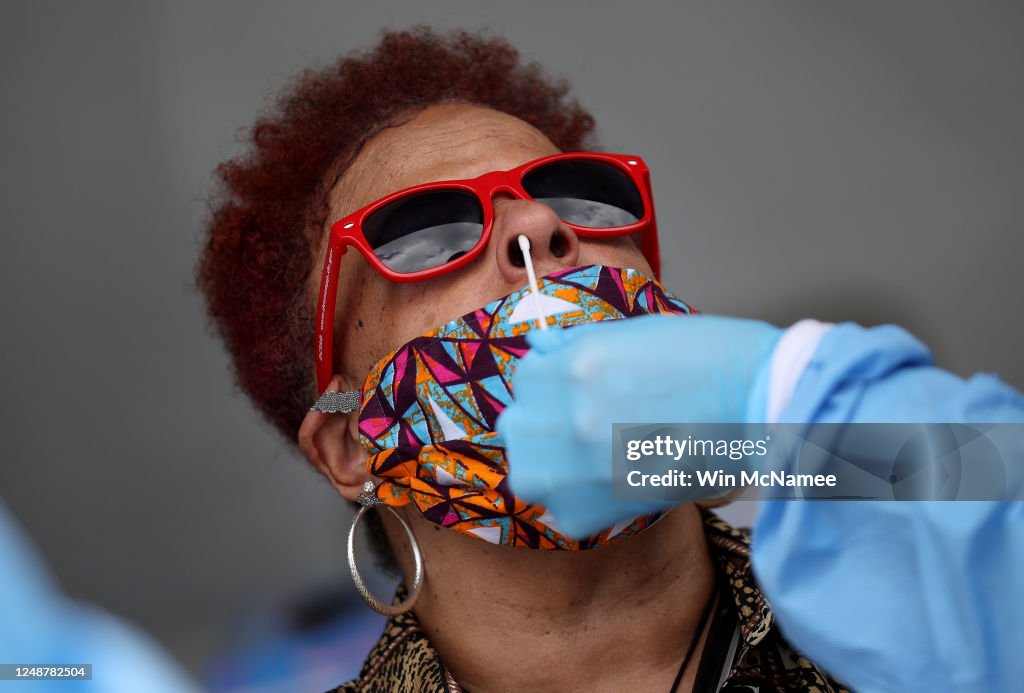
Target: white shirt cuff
{"type": "Point", "coordinates": [789, 360]}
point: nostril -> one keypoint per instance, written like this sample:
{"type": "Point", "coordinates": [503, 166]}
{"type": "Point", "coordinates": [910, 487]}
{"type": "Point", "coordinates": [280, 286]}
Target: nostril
{"type": "Point", "coordinates": [515, 254]}
{"type": "Point", "coordinates": [559, 244]}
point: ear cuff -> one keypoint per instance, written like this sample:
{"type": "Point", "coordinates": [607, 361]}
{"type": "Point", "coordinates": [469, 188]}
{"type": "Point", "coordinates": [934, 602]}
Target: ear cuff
{"type": "Point", "coordinates": [337, 402]}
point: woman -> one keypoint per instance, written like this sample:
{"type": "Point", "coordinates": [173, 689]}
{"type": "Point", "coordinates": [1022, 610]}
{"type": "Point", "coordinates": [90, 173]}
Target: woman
{"type": "Point", "coordinates": [508, 602]}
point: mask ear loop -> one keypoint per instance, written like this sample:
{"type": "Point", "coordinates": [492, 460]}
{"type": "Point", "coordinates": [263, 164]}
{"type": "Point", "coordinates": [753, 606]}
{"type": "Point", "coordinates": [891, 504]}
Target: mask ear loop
{"type": "Point", "coordinates": [524, 245]}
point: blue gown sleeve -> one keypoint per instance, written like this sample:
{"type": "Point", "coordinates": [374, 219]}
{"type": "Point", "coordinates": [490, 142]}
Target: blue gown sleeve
{"type": "Point", "coordinates": [899, 596]}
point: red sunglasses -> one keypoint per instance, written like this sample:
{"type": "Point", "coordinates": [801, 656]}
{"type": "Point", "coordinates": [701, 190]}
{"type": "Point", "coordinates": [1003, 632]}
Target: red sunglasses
{"type": "Point", "coordinates": [435, 228]}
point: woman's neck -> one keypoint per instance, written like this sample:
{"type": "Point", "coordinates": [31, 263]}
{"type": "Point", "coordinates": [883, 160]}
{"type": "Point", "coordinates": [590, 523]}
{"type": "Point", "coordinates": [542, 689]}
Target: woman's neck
{"type": "Point", "coordinates": [617, 617]}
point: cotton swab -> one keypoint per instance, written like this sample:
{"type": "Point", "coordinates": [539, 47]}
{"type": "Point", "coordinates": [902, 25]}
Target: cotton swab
{"type": "Point", "coordinates": [524, 245]}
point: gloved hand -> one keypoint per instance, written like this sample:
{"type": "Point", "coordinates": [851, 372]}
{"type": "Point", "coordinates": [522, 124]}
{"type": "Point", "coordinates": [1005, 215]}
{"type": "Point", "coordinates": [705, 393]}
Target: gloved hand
{"type": "Point", "coordinates": [40, 625]}
{"type": "Point", "coordinates": [576, 382]}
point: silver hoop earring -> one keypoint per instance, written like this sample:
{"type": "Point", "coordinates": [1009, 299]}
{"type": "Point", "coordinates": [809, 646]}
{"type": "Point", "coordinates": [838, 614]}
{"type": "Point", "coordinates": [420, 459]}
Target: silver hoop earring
{"type": "Point", "coordinates": [368, 500]}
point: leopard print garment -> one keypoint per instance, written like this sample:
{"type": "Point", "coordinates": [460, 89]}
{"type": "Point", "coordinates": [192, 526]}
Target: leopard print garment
{"type": "Point", "coordinates": [403, 660]}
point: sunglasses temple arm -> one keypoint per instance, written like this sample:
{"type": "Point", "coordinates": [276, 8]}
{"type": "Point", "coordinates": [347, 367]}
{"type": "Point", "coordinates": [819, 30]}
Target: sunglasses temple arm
{"type": "Point", "coordinates": [650, 240]}
{"type": "Point", "coordinates": [325, 313]}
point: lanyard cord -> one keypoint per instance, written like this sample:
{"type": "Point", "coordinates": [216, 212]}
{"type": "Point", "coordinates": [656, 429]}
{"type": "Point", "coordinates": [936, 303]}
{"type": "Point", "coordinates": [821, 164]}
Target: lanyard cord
{"type": "Point", "coordinates": [701, 625]}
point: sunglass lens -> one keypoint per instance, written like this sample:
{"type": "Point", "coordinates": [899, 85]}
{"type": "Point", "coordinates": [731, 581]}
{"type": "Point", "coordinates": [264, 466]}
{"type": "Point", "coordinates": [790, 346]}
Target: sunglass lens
{"type": "Point", "coordinates": [424, 231]}
{"type": "Point", "coordinates": [586, 193]}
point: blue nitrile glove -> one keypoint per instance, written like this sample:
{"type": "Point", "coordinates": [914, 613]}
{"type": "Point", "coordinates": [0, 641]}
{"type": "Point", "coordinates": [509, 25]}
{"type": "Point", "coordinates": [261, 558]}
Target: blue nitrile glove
{"type": "Point", "coordinates": [576, 382]}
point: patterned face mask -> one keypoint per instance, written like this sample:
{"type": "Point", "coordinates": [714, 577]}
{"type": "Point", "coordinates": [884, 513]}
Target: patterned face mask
{"type": "Point", "coordinates": [430, 407]}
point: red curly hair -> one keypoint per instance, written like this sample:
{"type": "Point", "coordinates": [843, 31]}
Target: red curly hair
{"type": "Point", "coordinates": [269, 208]}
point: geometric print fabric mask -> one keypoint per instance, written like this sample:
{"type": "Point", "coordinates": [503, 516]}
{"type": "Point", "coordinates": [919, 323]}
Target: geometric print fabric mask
{"type": "Point", "coordinates": [429, 408]}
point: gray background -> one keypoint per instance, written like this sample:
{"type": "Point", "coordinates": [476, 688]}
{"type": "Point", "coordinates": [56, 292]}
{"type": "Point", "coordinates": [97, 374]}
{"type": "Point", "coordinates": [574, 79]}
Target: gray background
{"type": "Point", "coordinates": [833, 160]}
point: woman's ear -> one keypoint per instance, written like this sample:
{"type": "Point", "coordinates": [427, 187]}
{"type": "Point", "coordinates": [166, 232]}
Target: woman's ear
{"type": "Point", "coordinates": [331, 444]}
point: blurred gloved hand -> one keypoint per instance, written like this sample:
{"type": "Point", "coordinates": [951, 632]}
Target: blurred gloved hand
{"type": "Point", "coordinates": [576, 382]}
{"type": "Point", "coordinates": [40, 625]}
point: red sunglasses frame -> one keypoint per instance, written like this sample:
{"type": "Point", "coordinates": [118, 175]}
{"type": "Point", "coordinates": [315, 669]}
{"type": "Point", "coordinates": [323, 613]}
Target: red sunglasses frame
{"type": "Point", "coordinates": [348, 232]}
